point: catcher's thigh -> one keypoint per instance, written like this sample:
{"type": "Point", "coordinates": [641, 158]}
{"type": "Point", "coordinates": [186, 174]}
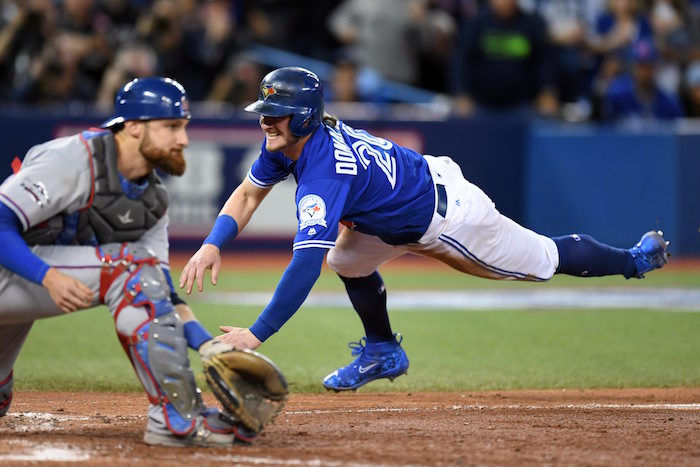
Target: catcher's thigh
{"type": "Point", "coordinates": [358, 255]}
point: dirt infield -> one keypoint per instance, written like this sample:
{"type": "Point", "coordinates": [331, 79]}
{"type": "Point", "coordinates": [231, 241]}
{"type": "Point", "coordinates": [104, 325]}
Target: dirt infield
{"type": "Point", "coordinates": [554, 427]}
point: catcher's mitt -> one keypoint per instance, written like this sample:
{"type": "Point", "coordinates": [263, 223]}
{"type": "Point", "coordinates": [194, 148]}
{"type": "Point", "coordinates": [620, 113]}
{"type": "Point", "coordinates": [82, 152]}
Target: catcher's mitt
{"type": "Point", "coordinates": [248, 384]}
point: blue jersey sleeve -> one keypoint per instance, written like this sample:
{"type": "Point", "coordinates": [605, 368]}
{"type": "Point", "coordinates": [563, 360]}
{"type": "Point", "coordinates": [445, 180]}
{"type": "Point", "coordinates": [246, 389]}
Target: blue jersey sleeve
{"type": "Point", "coordinates": [269, 169]}
{"type": "Point", "coordinates": [15, 255]}
{"type": "Point", "coordinates": [320, 206]}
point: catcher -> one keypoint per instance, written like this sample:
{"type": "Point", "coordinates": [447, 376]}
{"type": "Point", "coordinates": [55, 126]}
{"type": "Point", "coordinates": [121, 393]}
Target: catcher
{"type": "Point", "coordinates": [84, 222]}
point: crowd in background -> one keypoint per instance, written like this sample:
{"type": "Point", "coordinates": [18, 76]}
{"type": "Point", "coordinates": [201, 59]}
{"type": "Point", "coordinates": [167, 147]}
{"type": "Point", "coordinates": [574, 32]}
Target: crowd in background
{"type": "Point", "coordinates": [571, 59]}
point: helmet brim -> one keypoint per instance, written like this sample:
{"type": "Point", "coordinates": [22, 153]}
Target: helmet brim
{"type": "Point", "coordinates": [268, 109]}
{"type": "Point", "coordinates": [112, 121]}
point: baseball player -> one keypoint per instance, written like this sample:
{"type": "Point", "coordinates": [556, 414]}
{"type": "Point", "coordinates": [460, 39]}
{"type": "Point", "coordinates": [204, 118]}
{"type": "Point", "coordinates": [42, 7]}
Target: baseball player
{"type": "Point", "coordinates": [84, 222]}
{"type": "Point", "coordinates": [390, 201]}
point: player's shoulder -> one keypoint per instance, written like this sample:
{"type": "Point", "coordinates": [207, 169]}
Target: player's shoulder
{"type": "Point", "coordinates": [65, 150]}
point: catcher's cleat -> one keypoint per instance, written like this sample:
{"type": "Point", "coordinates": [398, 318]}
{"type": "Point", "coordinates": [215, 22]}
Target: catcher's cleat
{"type": "Point", "coordinates": [374, 361]}
{"type": "Point", "coordinates": [649, 253]}
{"type": "Point", "coordinates": [212, 430]}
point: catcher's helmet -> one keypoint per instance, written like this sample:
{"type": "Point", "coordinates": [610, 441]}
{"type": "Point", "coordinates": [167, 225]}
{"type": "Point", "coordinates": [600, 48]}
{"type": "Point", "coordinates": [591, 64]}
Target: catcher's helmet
{"type": "Point", "coordinates": [291, 91]}
{"type": "Point", "coordinates": [149, 99]}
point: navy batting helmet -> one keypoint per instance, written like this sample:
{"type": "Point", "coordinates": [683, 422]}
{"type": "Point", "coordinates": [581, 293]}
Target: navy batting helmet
{"type": "Point", "coordinates": [291, 91]}
{"type": "Point", "coordinates": [149, 99]}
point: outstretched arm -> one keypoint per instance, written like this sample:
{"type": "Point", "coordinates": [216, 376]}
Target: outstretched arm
{"type": "Point", "coordinates": [233, 218]}
{"type": "Point", "coordinates": [292, 290]}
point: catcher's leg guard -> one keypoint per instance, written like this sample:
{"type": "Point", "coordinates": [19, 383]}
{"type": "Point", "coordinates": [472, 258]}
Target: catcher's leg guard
{"type": "Point", "coordinates": [5, 394]}
{"type": "Point", "coordinates": [152, 335]}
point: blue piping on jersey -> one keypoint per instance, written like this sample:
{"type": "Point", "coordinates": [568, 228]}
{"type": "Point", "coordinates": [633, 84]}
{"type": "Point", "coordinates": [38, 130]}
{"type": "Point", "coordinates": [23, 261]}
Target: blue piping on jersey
{"type": "Point", "coordinates": [468, 254]}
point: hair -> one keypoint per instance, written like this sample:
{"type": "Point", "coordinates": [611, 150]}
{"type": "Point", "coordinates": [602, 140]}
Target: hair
{"type": "Point", "coordinates": [116, 128]}
{"type": "Point", "coordinates": [330, 120]}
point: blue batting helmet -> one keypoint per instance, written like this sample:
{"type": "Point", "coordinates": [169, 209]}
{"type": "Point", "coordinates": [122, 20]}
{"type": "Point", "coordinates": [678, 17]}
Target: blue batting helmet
{"type": "Point", "coordinates": [291, 91]}
{"type": "Point", "coordinates": [149, 99]}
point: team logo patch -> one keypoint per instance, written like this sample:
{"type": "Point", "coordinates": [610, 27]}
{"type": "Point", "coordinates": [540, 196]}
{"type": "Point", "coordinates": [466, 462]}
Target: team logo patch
{"type": "Point", "coordinates": [268, 90]}
{"type": "Point", "coordinates": [312, 211]}
{"type": "Point", "coordinates": [37, 192]}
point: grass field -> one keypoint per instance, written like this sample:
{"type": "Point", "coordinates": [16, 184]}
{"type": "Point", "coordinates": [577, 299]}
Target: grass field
{"type": "Point", "coordinates": [448, 349]}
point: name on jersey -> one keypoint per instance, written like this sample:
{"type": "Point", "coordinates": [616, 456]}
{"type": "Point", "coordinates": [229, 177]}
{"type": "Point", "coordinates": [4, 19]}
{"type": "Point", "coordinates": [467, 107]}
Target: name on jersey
{"type": "Point", "coordinates": [366, 148]}
{"type": "Point", "coordinates": [345, 162]}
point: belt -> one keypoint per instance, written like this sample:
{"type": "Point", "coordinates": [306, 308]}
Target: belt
{"type": "Point", "coordinates": [441, 200]}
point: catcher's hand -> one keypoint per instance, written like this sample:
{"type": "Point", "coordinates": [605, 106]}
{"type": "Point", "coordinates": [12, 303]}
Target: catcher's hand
{"type": "Point", "coordinates": [248, 384]}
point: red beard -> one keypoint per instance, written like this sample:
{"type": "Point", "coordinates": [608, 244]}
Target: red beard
{"type": "Point", "coordinates": [171, 161]}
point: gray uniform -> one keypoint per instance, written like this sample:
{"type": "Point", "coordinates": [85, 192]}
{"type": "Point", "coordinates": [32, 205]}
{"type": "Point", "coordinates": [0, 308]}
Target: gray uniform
{"type": "Point", "coordinates": [57, 179]}
{"type": "Point", "coordinates": [75, 215]}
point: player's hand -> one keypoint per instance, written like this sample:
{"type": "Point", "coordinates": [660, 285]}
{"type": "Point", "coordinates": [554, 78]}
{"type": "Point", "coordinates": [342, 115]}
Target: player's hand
{"type": "Point", "coordinates": [67, 292]}
{"type": "Point", "coordinates": [207, 257]}
{"type": "Point", "coordinates": [240, 338]}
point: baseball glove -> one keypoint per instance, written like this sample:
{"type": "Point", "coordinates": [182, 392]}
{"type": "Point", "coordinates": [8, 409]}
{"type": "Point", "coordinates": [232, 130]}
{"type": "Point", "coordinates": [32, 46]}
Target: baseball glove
{"type": "Point", "coordinates": [249, 385]}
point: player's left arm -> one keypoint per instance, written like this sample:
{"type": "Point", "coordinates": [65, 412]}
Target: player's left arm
{"type": "Point", "coordinates": [293, 288]}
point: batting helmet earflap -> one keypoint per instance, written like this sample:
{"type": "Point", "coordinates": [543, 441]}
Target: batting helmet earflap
{"type": "Point", "coordinates": [149, 99]}
{"type": "Point", "coordinates": [291, 91]}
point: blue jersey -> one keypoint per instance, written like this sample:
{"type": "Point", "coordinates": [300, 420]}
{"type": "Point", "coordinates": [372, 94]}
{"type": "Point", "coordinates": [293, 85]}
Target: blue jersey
{"type": "Point", "coordinates": [371, 184]}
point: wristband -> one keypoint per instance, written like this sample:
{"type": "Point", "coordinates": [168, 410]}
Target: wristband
{"type": "Point", "coordinates": [195, 334]}
{"type": "Point", "coordinates": [225, 229]}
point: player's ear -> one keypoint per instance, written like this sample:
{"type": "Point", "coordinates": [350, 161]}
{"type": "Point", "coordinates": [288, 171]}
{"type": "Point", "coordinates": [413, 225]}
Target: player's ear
{"type": "Point", "coordinates": [134, 128]}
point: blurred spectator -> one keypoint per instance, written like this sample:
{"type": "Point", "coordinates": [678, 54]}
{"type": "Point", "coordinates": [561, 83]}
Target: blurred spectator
{"type": "Point", "coordinates": [26, 28]}
{"type": "Point", "coordinates": [387, 36]}
{"type": "Point", "coordinates": [209, 39]}
{"type": "Point", "coordinates": [567, 31]}
{"type": "Point", "coordinates": [132, 61]}
{"type": "Point", "coordinates": [623, 23]}
{"type": "Point", "coordinates": [122, 16]}
{"type": "Point", "coordinates": [691, 91]}
{"type": "Point", "coordinates": [82, 42]}
{"type": "Point", "coordinates": [503, 61]}
{"type": "Point", "coordinates": [238, 83]}
{"type": "Point", "coordinates": [439, 42]}
{"type": "Point", "coordinates": [161, 27]}
{"type": "Point", "coordinates": [636, 95]}
{"type": "Point", "coordinates": [350, 82]}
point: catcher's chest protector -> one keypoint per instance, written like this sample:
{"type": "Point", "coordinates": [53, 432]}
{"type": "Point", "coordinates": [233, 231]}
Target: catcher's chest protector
{"type": "Point", "coordinates": [112, 216]}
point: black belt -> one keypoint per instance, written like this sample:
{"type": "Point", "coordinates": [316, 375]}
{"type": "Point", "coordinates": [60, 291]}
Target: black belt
{"type": "Point", "coordinates": [441, 200]}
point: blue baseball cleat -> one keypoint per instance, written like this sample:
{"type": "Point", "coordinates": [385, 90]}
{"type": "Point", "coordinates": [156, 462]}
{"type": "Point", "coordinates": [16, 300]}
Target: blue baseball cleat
{"type": "Point", "coordinates": [650, 253]}
{"type": "Point", "coordinates": [374, 360]}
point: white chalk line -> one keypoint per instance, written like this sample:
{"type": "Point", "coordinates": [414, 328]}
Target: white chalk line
{"type": "Point", "coordinates": [658, 299]}
{"type": "Point", "coordinates": [37, 452]}
{"type": "Point", "coordinates": [476, 407]}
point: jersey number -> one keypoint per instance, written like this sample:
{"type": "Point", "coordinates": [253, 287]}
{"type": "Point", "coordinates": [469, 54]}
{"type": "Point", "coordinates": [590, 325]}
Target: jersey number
{"type": "Point", "coordinates": [368, 147]}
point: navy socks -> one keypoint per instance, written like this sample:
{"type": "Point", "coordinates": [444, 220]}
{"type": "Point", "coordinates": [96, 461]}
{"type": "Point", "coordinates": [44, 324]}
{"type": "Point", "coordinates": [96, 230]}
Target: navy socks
{"type": "Point", "coordinates": [583, 256]}
{"type": "Point", "coordinates": [368, 297]}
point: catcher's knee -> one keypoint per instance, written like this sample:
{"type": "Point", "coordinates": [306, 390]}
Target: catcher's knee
{"type": "Point", "coordinates": [152, 334]}
{"type": "Point", "coordinates": [5, 394]}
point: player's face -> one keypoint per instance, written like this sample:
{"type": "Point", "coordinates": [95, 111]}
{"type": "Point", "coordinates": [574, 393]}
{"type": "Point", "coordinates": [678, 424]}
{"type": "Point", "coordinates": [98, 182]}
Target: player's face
{"type": "Point", "coordinates": [163, 144]}
{"type": "Point", "coordinates": [278, 136]}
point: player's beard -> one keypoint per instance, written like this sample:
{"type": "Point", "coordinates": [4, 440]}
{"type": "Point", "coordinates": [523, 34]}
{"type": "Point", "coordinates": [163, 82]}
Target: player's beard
{"type": "Point", "coordinates": [171, 161]}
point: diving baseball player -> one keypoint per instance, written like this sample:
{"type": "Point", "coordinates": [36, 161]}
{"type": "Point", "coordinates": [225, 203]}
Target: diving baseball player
{"type": "Point", "coordinates": [389, 200]}
{"type": "Point", "coordinates": [84, 222]}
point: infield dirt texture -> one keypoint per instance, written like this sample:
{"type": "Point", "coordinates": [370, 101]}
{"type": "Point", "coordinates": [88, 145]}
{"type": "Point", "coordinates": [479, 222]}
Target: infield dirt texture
{"type": "Point", "coordinates": [649, 426]}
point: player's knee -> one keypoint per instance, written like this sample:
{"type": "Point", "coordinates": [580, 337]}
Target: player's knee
{"type": "Point", "coordinates": [340, 262]}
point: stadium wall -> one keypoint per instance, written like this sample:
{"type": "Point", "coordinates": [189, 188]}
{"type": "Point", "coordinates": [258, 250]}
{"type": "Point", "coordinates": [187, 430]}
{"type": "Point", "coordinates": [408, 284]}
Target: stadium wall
{"type": "Point", "coordinates": [613, 183]}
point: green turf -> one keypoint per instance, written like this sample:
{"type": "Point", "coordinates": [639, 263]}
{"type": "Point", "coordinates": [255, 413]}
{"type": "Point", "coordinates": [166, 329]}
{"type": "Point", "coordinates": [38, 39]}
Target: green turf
{"type": "Point", "coordinates": [447, 279]}
{"type": "Point", "coordinates": [448, 350]}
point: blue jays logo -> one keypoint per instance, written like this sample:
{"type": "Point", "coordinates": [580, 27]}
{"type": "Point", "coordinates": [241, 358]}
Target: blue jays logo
{"type": "Point", "coordinates": [312, 211]}
{"type": "Point", "coordinates": [268, 90]}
